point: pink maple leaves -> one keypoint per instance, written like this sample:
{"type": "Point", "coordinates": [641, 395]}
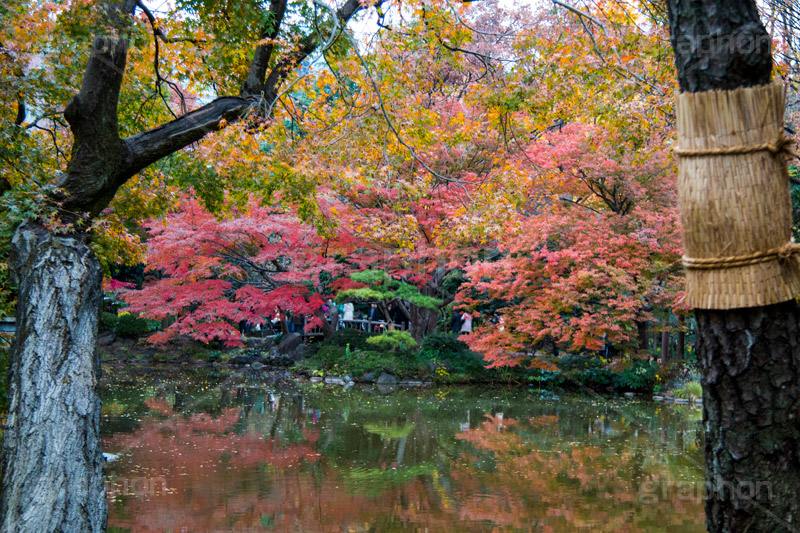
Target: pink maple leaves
{"type": "Point", "coordinates": [208, 274]}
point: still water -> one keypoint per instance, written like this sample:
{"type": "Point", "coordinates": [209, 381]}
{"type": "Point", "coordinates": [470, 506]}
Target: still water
{"type": "Point", "coordinates": [252, 453]}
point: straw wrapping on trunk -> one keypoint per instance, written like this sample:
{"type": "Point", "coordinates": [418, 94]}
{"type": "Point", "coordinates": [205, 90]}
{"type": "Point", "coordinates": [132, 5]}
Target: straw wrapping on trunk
{"type": "Point", "coordinates": [733, 194]}
{"type": "Point", "coordinates": [781, 145]}
{"type": "Point", "coordinates": [784, 253]}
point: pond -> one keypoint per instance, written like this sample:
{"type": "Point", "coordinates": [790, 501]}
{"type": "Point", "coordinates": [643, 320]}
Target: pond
{"type": "Point", "coordinates": [254, 453]}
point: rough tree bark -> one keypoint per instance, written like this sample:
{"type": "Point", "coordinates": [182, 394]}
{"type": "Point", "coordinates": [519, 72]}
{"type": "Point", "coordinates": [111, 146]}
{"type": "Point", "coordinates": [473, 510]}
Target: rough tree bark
{"type": "Point", "coordinates": [51, 457]}
{"type": "Point", "coordinates": [750, 358]}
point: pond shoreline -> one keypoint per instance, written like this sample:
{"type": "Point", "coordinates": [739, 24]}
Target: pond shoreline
{"type": "Point", "coordinates": [274, 373]}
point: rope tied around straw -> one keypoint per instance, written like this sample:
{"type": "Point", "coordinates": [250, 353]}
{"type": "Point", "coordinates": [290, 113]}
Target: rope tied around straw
{"type": "Point", "coordinates": [784, 253]}
{"type": "Point", "coordinates": [780, 146]}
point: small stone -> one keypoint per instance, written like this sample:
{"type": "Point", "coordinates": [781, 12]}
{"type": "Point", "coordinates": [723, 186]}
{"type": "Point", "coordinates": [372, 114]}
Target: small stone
{"type": "Point", "coordinates": [315, 379]}
{"type": "Point", "coordinates": [289, 343]}
{"type": "Point", "coordinates": [299, 352]}
{"type": "Point", "coordinates": [386, 379]}
{"type": "Point", "coordinates": [258, 365]}
{"type": "Point", "coordinates": [242, 360]}
{"type": "Point", "coordinates": [385, 389]}
{"type": "Point", "coordinates": [106, 339]}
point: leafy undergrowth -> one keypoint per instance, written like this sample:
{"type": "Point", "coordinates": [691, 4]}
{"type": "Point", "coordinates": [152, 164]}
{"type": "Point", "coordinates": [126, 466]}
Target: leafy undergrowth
{"type": "Point", "coordinates": [349, 351]}
{"type": "Point", "coordinates": [441, 358]}
{"type": "Point", "coordinates": [606, 375]}
{"type": "Point", "coordinates": [691, 390]}
{"type": "Point", "coordinates": [445, 359]}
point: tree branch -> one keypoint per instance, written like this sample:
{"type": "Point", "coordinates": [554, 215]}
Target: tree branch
{"type": "Point", "coordinates": [305, 48]}
{"type": "Point", "coordinates": [102, 162]}
{"type": "Point", "coordinates": [254, 84]}
{"type": "Point", "coordinates": [159, 33]}
{"type": "Point", "coordinates": [149, 146]}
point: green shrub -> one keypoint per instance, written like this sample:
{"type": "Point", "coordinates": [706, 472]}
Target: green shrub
{"type": "Point", "coordinates": [546, 379]}
{"type": "Point", "coordinates": [447, 349]}
{"type": "Point", "coordinates": [362, 362]}
{"type": "Point", "coordinates": [341, 360]}
{"type": "Point", "coordinates": [356, 338]}
{"type": "Point", "coordinates": [331, 355]}
{"type": "Point", "coordinates": [584, 371]}
{"type": "Point", "coordinates": [638, 376]}
{"type": "Point", "coordinates": [692, 389]}
{"type": "Point", "coordinates": [579, 362]}
{"type": "Point", "coordinates": [443, 345]}
{"type": "Point", "coordinates": [108, 321]}
{"type": "Point", "coordinates": [132, 326]}
{"type": "Point", "coordinates": [393, 340]}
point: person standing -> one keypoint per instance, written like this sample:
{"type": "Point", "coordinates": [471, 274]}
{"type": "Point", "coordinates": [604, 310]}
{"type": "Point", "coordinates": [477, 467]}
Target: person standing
{"type": "Point", "coordinates": [455, 324]}
{"type": "Point", "coordinates": [466, 323]}
{"type": "Point", "coordinates": [298, 321]}
{"type": "Point", "coordinates": [373, 316]}
{"type": "Point", "coordinates": [348, 311]}
{"type": "Point", "coordinates": [332, 314]}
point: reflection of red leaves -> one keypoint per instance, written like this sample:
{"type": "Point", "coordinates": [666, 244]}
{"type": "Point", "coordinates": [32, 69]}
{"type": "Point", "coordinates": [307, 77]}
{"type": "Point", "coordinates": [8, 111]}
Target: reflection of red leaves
{"type": "Point", "coordinates": [544, 420]}
{"type": "Point", "coordinates": [492, 435]}
{"type": "Point", "coordinates": [554, 488]}
{"type": "Point", "coordinates": [220, 479]}
{"type": "Point", "coordinates": [159, 404]}
{"type": "Point", "coordinates": [214, 480]}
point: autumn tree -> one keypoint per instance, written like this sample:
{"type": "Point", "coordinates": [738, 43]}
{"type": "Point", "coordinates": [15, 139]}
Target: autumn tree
{"type": "Point", "coordinates": [51, 448]}
{"type": "Point", "coordinates": [210, 274]}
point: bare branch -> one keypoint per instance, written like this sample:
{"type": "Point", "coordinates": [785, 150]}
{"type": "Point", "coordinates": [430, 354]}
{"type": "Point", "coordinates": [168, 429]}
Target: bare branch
{"type": "Point", "coordinates": [578, 12]}
{"type": "Point", "coordinates": [159, 33]}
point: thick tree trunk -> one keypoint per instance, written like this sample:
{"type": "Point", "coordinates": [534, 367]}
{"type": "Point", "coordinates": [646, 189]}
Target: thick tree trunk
{"type": "Point", "coordinates": [751, 406]}
{"type": "Point", "coordinates": [665, 347]}
{"type": "Point", "coordinates": [51, 460]}
{"type": "Point", "coordinates": [750, 358]}
{"type": "Point", "coordinates": [422, 322]}
{"type": "Point", "coordinates": [643, 334]}
{"type": "Point", "coordinates": [51, 449]}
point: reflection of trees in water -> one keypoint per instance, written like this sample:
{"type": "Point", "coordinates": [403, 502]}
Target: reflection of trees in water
{"type": "Point", "coordinates": [316, 460]}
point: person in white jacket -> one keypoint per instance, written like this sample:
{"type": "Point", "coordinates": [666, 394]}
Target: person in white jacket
{"type": "Point", "coordinates": [466, 322]}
